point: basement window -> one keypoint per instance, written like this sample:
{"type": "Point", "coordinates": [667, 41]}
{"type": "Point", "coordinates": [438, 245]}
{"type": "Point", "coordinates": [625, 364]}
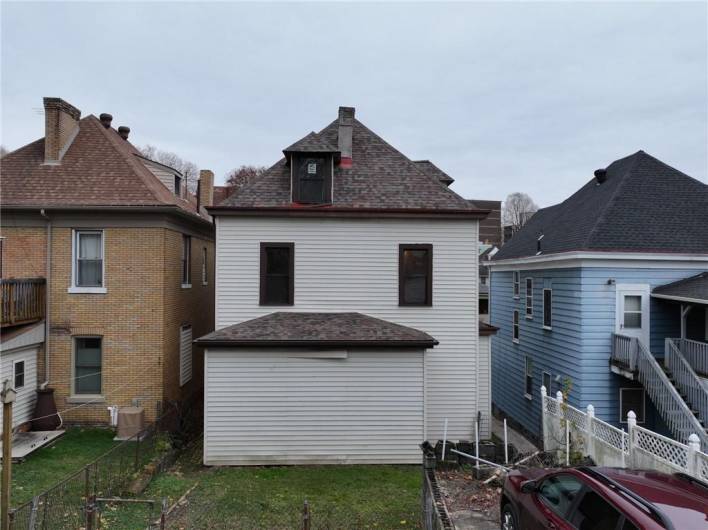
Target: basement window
{"type": "Point", "coordinates": [277, 281]}
{"type": "Point", "coordinates": [312, 179]}
{"type": "Point", "coordinates": [633, 399]}
{"type": "Point", "coordinates": [415, 275]}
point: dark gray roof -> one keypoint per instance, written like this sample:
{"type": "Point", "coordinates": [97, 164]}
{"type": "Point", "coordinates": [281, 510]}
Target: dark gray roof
{"type": "Point", "coordinates": [312, 143]}
{"type": "Point", "coordinates": [644, 205]}
{"type": "Point", "coordinates": [435, 171]}
{"type": "Point", "coordinates": [381, 178]}
{"type": "Point", "coordinates": [318, 329]}
{"type": "Point", "coordinates": [694, 288]}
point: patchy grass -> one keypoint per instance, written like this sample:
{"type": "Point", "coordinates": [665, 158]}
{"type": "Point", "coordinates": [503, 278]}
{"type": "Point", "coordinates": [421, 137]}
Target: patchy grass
{"type": "Point", "coordinates": [48, 465]}
{"type": "Point", "coordinates": [383, 496]}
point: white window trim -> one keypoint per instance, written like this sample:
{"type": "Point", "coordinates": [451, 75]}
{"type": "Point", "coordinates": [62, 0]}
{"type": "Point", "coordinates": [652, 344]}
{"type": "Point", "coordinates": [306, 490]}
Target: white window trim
{"type": "Point", "coordinates": [526, 375]}
{"type": "Point", "coordinates": [514, 324]}
{"type": "Point", "coordinates": [83, 398]}
{"type": "Point", "coordinates": [205, 271]}
{"type": "Point", "coordinates": [516, 284]}
{"type": "Point", "coordinates": [76, 289]}
{"type": "Point", "coordinates": [543, 315]}
{"type": "Point", "coordinates": [644, 404]}
{"type": "Point", "coordinates": [14, 374]}
{"type": "Point", "coordinates": [529, 316]}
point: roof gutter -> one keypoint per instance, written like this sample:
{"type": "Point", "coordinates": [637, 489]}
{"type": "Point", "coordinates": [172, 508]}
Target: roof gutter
{"type": "Point", "coordinates": [684, 299]}
{"type": "Point", "coordinates": [288, 211]}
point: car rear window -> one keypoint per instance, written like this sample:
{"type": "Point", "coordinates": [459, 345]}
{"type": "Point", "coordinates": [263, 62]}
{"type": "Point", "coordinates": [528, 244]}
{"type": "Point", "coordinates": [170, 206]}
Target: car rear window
{"type": "Point", "coordinates": [595, 513]}
{"type": "Point", "coordinates": [559, 491]}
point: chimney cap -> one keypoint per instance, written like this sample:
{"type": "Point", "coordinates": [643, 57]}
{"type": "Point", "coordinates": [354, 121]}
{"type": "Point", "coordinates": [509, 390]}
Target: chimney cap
{"type": "Point", "coordinates": [346, 115]}
{"type": "Point", "coordinates": [106, 119]}
{"type": "Point", "coordinates": [124, 131]}
{"type": "Point", "coordinates": [600, 175]}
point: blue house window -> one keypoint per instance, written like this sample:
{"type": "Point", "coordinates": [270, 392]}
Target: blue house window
{"type": "Point", "coordinates": [528, 383]}
{"type": "Point", "coordinates": [547, 308]}
{"type": "Point", "coordinates": [515, 331]}
{"type": "Point", "coordinates": [517, 281]}
{"type": "Point", "coordinates": [529, 297]}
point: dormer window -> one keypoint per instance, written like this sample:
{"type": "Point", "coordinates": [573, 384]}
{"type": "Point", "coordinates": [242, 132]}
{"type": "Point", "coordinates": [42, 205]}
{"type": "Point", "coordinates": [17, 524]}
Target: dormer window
{"type": "Point", "coordinates": [178, 186]}
{"type": "Point", "coordinates": [312, 178]}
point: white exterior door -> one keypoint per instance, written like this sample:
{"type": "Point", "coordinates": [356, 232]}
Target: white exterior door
{"type": "Point", "coordinates": [632, 311]}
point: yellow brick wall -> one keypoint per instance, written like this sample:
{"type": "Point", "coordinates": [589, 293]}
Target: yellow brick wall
{"type": "Point", "coordinates": [24, 252]}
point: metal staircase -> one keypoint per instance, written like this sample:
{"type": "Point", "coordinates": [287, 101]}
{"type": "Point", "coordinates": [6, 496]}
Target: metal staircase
{"type": "Point", "coordinates": [674, 388]}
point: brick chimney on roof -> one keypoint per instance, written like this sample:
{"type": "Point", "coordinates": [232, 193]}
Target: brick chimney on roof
{"type": "Point", "coordinates": [346, 125]}
{"type": "Point", "coordinates": [61, 125]}
{"type": "Point", "coordinates": [206, 188]}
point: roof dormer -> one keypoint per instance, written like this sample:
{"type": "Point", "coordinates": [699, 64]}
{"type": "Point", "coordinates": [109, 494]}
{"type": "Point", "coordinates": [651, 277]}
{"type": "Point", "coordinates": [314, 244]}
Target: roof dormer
{"type": "Point", "coordinates": [311, 161]}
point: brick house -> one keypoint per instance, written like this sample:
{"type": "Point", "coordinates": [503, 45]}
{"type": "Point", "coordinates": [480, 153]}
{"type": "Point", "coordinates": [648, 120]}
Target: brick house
{"type": "Point", "coordinates": [127, 257]}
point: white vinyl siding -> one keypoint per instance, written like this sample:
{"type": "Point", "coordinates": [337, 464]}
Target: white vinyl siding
{"type": "Point", "coordinates": [26, 396]}
{"type": "Point", "coordinates": [352, 265]}
{"type": "Point", "coordinates": [283, 406]}
{"type": "Point", "coordinates": [185, 354]}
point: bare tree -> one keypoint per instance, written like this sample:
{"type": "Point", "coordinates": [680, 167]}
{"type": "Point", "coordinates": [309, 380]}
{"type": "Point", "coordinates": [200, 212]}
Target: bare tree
{"type": "Point", "coordinates": [189, 169]}
{"type": "Point", "coordinates": [3, 151]}
{"type": "Point", "coordinates": [242, 175]}
{"type": "Point", "coordinates": [517, 210]}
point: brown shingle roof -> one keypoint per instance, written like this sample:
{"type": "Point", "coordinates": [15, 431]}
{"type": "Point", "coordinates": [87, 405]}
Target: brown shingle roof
{"type": "Point", "coordinates": [318, 329]}
{"type": "Point", "coordinates": [312, 143]}
{"type": "Point", "coordinates": [435, 171]}
{"type": "Point", "coordinates": [381, 178]}
{"type": "Point", "coordinates": [99, 169]}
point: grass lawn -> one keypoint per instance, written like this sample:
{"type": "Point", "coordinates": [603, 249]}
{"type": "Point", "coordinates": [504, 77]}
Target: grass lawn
{"type": "Point", "coordinates": [48, 465]}
{"type": "Point", "coordinates": [379, 497]}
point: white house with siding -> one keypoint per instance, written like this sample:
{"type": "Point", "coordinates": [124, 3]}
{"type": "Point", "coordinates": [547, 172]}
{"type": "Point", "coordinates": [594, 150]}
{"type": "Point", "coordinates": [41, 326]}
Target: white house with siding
{"type": "Point", "coordinates": [346, 309]}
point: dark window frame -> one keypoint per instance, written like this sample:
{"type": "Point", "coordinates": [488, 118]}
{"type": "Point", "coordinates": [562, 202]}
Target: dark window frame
{"type": "Point", "coordinates": [263, 281]}
{"type": "Point", "coordinates": [177, 185]}
{"type": "Point", "coordinates": [16, 373]}
{"type": "Point", "coordinates": [298, 163]}
{"type": "Point", "coordinates": [186, 260]}
{"type": "Point", "coordinates": [528, 377]}
{"type": "Point", "coordinates": [548, 309]}
{"type": "Point", "coordinates": [428, 280]}
{"type": "Point", "coordinates": [99, 372]}
{"type": "Point", "coordinates": [205, 263]}
{"type": "Point", "coordinates": [515, 326]}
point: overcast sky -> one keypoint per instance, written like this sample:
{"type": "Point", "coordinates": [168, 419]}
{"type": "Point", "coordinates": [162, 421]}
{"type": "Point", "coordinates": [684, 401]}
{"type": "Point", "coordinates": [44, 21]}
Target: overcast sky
{"type": "Point", "coordinates": [504, 97]}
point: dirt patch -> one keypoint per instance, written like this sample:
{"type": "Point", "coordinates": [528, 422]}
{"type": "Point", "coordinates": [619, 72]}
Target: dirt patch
{"type": "Point", "coordinates": [464, 494]}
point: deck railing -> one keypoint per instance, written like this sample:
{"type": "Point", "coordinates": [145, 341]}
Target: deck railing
{"type": "Point", "coordinates": [696, 353]}
{"type": "Point", "coordinates": [686, 380]}
{"type": "Point", "coordinates": [624, 351]}
{"type": "Point", "coordinates": [21, 300]}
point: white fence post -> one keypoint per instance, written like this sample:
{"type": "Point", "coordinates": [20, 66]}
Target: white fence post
{"type": "Point", "coordinates": [561, 433]}
{"type": "Point", "coordinates": [694, 445]}
{"type": "Point", "coordinates": [590, 437]}
{"type": "Point", "coordinates": [544, 418]}
{"type": "Point", "coordinates": [631, 431]}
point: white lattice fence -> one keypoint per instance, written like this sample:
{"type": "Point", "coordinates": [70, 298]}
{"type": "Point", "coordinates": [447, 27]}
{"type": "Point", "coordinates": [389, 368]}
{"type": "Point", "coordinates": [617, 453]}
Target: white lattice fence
{"type": "Point", "coordinates": [607, 445]}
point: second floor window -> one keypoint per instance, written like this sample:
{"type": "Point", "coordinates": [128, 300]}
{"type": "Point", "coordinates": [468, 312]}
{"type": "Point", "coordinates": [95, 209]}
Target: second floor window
{"type": "Point", "coordinates": [515, 327]}
{"type": "Point", "coordinates": [88, 256]}
{"type": "Point", "coordinates": [415, 275]}
{"type": "Point", "coordinates": [517, 281]}
{"type": "Point", "coordinates": [277, 282]}
{"type": "Point", "coordinates": [186, 260]}
{"type": "Point", "coordinates": [529, 297]}
{"type": "Point", "coordinates": [547, 308]}
{"type": "Point", "coordinates": [205, 274]}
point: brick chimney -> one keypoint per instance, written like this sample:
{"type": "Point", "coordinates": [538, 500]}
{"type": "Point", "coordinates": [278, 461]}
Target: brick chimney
{"type": "Point", "coordinates": [61, 125]}
{"type": "Point", "coordinates": [206, 188]}
{"type": "Point", "coordinates": [346, 125]}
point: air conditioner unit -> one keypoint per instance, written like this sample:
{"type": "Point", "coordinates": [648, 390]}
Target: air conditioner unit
{"type": "Point", "coordinates": [131, 421]}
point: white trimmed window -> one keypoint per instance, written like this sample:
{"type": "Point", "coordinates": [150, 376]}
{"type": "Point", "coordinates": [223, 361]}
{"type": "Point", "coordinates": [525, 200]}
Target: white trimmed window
{"type": "Point", "coordinates": [205, 271]}
{"type": "Point", "coordinates": [529, 297]}
{"type": "Point", "coordinates": [515, 327]}
{"type": "Point", "coordinates": [19, 374]}
{"type": "Point", "coordinates": [185, 354]}
{"type": "Point", "coordinates": [517, 281]}
{"type": "Point", "coordinates": [633, 399]}
{"type": "Point", "coordinates": [88, 365]}
{"type": "Point", "coordinates": [186, 261]}
{"type": "Point", "coordinates": [547, 308]}
{"type": "Point", "coordinates": [528, 377]}
{"type": "Point", "coordinates": [87, 270]}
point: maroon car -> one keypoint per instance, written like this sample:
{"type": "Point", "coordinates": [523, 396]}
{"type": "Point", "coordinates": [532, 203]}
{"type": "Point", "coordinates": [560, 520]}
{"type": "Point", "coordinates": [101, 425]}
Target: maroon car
{"type": "Point", "coordinates": [597, 498]}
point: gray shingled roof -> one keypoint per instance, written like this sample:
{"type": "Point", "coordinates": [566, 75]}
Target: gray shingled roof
{"type": "Point", "coordinates": [644, 205]}
{"type": "Point", "coordinates": [694, 288]}
{"type": "Point", "coordinates": [435, 171]}
{"type": "Point", "coordinates": [380, 178]}
{"type": "Point", "coordinates": [318, 329]}
{"type": "Point", "coordinates": [311, 143]}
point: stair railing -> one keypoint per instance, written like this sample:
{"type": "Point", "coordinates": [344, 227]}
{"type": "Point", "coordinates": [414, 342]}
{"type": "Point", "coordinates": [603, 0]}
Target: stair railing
{"type": "Point", "coordinates": [686, 380]}
{"type": "Point", "coordinates": [696, 353]}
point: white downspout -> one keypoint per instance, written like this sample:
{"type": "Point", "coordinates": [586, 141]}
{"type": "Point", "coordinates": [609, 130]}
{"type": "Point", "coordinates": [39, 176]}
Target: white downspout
{"type": "Point", "coordinates": [47, 297]}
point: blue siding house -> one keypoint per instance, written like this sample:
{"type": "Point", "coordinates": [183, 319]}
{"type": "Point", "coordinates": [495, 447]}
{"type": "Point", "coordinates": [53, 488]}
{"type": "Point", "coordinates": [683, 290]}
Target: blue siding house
{"type": "Point", "coordinates": [587, 293]}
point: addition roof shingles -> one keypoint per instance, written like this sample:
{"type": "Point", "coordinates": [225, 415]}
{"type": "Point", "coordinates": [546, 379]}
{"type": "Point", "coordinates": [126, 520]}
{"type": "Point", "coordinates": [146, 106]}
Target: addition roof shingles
{"type": "Point", "coordinates": [100, 169]}
{"type": "Point", "coordinates": [644, 205]}
{"type": "Point", "coordinates": [312, 143]}
{"type": "Point", "coordinates": [317, 329]}
{"type": "Point", "coordinates": [381, 178]}
{"type": "Point", "coordinates": [435, 171]}
{"type": "Point", "coordinates": [694, 288]}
